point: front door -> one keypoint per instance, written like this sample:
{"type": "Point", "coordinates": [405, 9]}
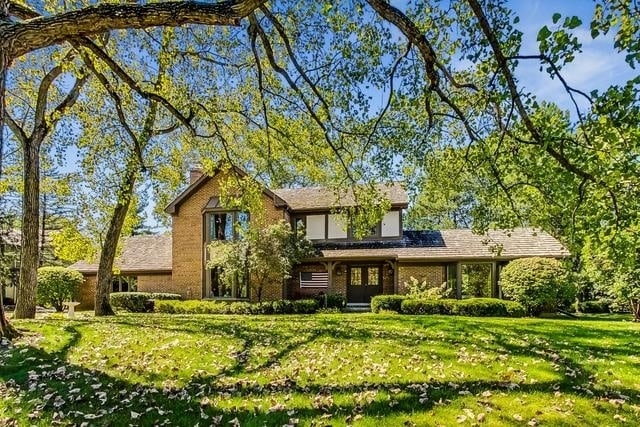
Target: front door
{"type": "Point", "coordinates": [363, 282]}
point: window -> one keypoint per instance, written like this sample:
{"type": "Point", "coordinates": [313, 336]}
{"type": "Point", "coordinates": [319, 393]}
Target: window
{"type": "Point", "coordinates": [225, 225]}
{"type": "Point", "coordinates": [373, 276]}
{"type": "Point", "coordinates": [356, 277]}
{"type": "Point", "coordinates": [365, 276]}
{"type": "Point", "coordinates": [312, 279]}
{"type": "Point", "coordinates": [237, 289]}
{"type": "Point", "coordinates": [123, 284]}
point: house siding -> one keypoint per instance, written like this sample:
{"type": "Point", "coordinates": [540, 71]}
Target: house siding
{"type": "Point", "coordinates": [87, 294]}
{"type": "Point", "coordinates": [188, 240]}
{"type": "Point", "coordinates": [433, 274]}
{"type": "Point", "coordinates": [157, 283]}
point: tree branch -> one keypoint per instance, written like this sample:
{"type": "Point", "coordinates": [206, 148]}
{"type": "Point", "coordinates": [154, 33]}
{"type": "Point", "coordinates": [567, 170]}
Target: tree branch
{"type": "Point", "coordinates": [39, 32]}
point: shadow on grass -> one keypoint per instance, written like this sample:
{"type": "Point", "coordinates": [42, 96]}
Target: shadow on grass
{"type": "Point", "coordinates": [45, 385]}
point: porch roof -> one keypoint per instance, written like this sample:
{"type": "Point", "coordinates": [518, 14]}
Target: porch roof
{"type": "Point", "coordinates": [451, 245]}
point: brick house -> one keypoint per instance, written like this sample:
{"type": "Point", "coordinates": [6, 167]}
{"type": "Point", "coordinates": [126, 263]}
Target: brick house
{"type": "Point", "coordinates": [380, 263]}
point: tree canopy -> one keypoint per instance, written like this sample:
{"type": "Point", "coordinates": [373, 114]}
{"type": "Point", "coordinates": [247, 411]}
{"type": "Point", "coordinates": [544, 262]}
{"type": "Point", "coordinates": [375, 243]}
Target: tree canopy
{"type": "Point", "coordinates": [337, 93]}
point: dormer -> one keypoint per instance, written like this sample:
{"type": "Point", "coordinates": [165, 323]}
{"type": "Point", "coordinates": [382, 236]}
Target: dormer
{"type": "Point", "coordinates": [314, 210]}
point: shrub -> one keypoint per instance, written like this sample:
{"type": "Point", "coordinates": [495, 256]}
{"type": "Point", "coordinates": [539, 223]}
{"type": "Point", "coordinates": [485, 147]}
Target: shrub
{"type": "Point", "coordinates": [425, 306]}
{"type": "Point", "coordinates": [387, 303]}
{"type": "Point", "coordinates": [488, 307]}
{"type": "Point", "coordinates": [140, 302]}
{"type": "Point", "coordinates": [265, 307]}
{"type": "Point", "coordinates": [305, 306]}
{"type": "Point", "coordinates": [424, 290]}
{"type": "Point", "coordinates": [539, 284]}
{"type": "Point", "coordinates": [594, 307]}
{"type": "Point", "coordinates": [331, 300]}
{"type": "Point", "coordinates": [57, 285]}
{"type": "Point", "coordinates": [283, 306]}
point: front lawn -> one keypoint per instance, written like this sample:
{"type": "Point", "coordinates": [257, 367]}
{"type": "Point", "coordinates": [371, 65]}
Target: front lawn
{"type": "Point", "coordinates": [342, 369]}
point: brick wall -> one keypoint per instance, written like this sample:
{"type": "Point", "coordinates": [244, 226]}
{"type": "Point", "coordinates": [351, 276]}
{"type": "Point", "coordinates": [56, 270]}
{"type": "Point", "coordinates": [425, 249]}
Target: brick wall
{"type": "Point", "coordinates": [188, 238]}
{"type": "Point", "coordinates": [339, 285]}
{"type": "Point", "coordinates": [294, 290]}
{"type": "Point", "coordinates": [434, 274]}
{"type": "Point", "coordinates": [87, 295]}
{"type": "Point", "coordinates": [157, 283]}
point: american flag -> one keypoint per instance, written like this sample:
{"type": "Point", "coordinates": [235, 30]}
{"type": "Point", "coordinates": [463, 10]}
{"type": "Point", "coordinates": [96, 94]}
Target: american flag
{"type": "Point", "coordinates": [314, 279]}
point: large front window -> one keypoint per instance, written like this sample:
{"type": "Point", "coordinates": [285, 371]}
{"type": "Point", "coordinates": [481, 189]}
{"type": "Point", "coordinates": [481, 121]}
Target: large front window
{"type": "Point", "coordinates": [225, 225]}
{"type": "Point", "coordinates": [238, 288]}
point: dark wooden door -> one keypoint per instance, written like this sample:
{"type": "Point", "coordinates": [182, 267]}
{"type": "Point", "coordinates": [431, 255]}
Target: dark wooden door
{"type": "Point", "coordinates": [363, 282]}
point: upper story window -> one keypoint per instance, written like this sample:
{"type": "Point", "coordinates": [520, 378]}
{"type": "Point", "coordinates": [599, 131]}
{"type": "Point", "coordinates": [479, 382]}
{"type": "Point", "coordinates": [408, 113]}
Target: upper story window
{"type": "Point", "coordinates": [323, 226]}
{"type": "Point", "coordinates": [225, 225]}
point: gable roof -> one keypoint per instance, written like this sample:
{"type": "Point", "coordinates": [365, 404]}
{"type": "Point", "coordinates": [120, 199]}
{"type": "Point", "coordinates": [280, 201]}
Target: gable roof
{"type": "Point", "coordinates": [461, 244]}
{"type": "Point", "coordinates": [173, 207]}
{"type": "Point", "coordinates": [319, 198]}
{"type": "Point", "coordinates": [139, 254]}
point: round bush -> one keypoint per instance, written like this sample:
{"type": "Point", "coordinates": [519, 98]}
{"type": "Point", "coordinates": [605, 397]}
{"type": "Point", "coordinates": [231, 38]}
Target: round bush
{"type": "Point", "coordinates": [57, 285]}
{"type": "Point", "coordinates": [539, 284]}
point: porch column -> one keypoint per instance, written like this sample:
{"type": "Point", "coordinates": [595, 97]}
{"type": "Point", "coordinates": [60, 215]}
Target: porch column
{"type": "Point", "coordinates": [330, 266]}
{"type": "Point", "coordinates": [458, 280]}
{"type": "Point", "coordinates": [396, 277]}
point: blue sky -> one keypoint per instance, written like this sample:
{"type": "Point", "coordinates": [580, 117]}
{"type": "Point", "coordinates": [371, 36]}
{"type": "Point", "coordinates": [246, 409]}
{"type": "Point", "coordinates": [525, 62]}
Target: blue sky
{"type": "Point", "coordinates": [597, 67]}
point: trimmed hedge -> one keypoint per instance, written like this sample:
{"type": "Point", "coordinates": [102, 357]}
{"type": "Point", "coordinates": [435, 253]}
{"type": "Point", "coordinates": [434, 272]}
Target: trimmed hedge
{"type": "Point", "coordinates": [303, 306]}
{"type": "Point", "coordinates": [387, 303]}
{"type": "Point", "coordinates": [331, 300]}
{"type": "Point", "coordinates": [481, 307]}
{"type": "Point", "coordinates": [140, 302]}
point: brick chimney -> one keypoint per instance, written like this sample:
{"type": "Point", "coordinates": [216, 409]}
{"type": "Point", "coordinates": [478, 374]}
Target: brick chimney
{"type": "Point", "coordinates": [195, 173]}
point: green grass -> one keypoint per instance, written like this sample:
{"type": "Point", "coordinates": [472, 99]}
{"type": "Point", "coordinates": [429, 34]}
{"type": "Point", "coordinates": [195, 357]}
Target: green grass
{"type": "Point", "coordinates": [342, 369]}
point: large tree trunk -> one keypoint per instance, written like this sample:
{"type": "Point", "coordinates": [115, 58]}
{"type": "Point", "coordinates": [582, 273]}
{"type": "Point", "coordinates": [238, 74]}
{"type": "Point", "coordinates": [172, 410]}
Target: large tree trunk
{"type": "Point", "coordinates": [29, 257]}
{"type": "Point", "coordinates": [6, 330]}
{"type": "Point", "coordinates": [108, 252]}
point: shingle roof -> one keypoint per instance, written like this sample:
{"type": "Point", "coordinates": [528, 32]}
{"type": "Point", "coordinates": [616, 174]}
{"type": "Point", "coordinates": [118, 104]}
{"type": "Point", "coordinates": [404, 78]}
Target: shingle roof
{"type": "Point", "coordinates": [139, 253]}
{"type": "Point", "coordinates": [453, 245]}
{"type": "Point", "coordinates": [316, 198]}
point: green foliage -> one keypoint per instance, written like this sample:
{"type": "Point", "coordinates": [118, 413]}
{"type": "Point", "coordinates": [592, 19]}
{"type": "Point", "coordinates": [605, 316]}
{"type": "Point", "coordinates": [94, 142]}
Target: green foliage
{"type": "Point", "coordinates": [337, 301]}
{"type": "Point", "coordinates": [387, 303]}
{"type": "Point", "coordinates": [70, 245]}
{"type": "Point", "coordinates": [57, 285]}
{"type": "Point", "coordinates": [477, 307]}
{"type": "Point", "coordinates": [539, 284]}
{"type": "Point", "coordinates": [426, 306]}
{"type": "Point", "coordinates": [140, 302]}
{"type": "Point", "coordinates": [594, 307]}
{"type": "Point", "coordinates": [264, 254]}
{"type": "Point", "coordinates": [627, 288]}
{"type": "Point", "coordinates": [304, 306]}
{"type": "Point", "coordinates": [424, 290]}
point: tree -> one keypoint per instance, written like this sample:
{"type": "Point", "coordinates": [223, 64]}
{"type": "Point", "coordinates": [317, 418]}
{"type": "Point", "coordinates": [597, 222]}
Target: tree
{"type": "Point", "coordinates": [416, 70]}
{"type": "Point", "coordinates": [57, 285]}
{"type": "Point", "coordinates": [264, 255]}
{"type": "Point", "coordinates": [627, 288]}
{"type": "Point", "coordinates": [43, 123]}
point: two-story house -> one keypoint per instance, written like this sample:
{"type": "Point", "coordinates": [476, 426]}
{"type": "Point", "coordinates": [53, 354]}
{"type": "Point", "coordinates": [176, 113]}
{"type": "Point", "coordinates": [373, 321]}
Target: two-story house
{"type": "Point", "coordinates": [380, 263]}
